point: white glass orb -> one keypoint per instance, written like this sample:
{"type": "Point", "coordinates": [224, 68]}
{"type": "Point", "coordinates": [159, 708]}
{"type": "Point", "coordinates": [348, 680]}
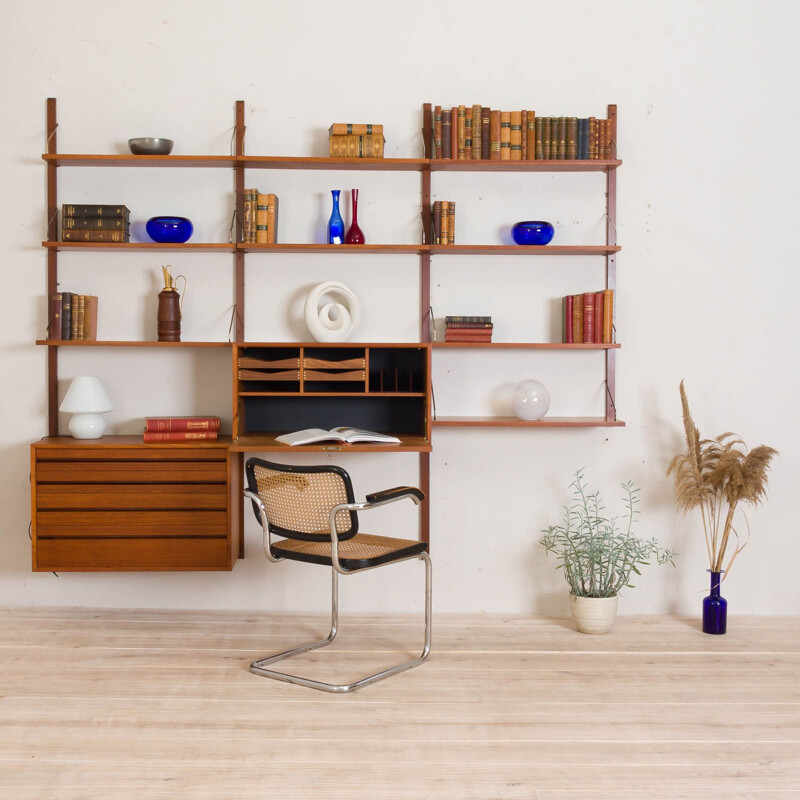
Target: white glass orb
{"type": "Point", "coordinates": [530, 400]}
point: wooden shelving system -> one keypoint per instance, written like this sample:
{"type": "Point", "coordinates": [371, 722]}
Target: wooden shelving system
{"type": "Point", "coordinates": [417, 438]}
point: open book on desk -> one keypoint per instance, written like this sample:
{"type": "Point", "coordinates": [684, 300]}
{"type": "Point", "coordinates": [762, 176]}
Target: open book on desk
{"type": "Point", "coordinates": [343, 435]}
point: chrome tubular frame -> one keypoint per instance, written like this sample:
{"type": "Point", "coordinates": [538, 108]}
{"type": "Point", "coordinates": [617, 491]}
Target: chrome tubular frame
{"type": "Point", "coordinates": [259, 667]}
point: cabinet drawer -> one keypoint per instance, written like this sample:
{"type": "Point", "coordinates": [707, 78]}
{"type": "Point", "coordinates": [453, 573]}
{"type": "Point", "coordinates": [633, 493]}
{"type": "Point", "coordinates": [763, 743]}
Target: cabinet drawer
{"type": "Point", "coordinates": [134, 497]}
{"type": "Point", "coordinates": [64, 555]}
{"type": "Point", "coordinates": [109, 524]}
{"type": "Point", "coordinates": [131, 472]}
{"type": "Point", "coordinates": [149, 452]}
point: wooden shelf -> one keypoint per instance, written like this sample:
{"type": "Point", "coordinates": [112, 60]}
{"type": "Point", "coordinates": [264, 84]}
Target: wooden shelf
{"type": "Point", "coordinates": [141, 246]}
{"type": "Point", "coordinates": [311, 162]}
{"type": "Point", "coordinates": [540, 165]}
{"type": "Point", "coordinates": [522, 250]}
{"type": "Point", "coordinates": [265, 442]}
{"type": "Point", "coordinates": [308, 393]}
{"type": "Point", "coordinates": [513, 422]}
{"type": "Point", "coordinates": [357, 249]}
{"type": "Point", "coordinates": [529, 345]}
{"type": "Point", "coordinates": [326, 163]}
{"type": "Point", "coordinates": [128, 160]}
{"type": "Point", "coordinates": [81, 343]}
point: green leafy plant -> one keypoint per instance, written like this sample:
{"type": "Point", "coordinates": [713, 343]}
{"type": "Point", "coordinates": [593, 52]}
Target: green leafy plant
{"type": "Point", "coordinates": [715, 475]}
{"type": "Point", "coordinates": [598, 552]}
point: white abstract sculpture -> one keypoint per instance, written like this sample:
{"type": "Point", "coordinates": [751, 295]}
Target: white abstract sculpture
{"type": "Point", "coordinates": [332, 312]}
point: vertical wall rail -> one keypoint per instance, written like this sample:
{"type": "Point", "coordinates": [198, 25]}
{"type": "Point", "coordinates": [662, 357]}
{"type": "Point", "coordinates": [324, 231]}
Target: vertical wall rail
{"type": "Point", "coordinates": [52, 265]}
{"type": "Point", "coordinates": [611, 265]}
{"type": "Point", "coordinates": [238, 188]}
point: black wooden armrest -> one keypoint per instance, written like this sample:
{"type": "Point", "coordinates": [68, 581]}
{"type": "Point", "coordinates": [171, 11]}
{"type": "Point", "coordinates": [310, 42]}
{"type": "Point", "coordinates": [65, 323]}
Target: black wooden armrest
{"type": "Point", "coordinates": [395, 494]}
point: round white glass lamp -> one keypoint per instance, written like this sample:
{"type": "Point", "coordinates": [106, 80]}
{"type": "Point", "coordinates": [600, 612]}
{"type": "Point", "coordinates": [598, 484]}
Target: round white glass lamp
{"type": "Point", "coordinates": [530, 400]}
{"type": "Point", "coordinates": [86, 399]}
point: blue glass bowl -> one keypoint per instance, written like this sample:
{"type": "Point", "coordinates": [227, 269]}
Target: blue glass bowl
{"type": "Point", "coordinates": [532, 232]}
{"type": "Point", "coordinates": [169, 230]}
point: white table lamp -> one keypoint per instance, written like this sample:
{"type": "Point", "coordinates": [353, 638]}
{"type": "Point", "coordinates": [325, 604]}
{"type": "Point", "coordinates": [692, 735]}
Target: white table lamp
{"type": "Point", "coordinates": [86, 400]}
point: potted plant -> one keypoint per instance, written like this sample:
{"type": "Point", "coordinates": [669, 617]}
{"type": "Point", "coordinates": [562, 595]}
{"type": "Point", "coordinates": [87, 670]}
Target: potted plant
{"type": "Point", "coordinates": [598, 554]}
{"type": "Point", "coordinates": [715, 475]}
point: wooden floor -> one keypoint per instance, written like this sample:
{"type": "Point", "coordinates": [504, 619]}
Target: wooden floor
{"type": "Point", "coordinates": [160, 704]}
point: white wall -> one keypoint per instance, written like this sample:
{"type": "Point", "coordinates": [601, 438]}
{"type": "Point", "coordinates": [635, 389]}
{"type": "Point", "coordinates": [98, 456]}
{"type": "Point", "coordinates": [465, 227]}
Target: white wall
{"type": "Point", "coordinates": [708, 203]}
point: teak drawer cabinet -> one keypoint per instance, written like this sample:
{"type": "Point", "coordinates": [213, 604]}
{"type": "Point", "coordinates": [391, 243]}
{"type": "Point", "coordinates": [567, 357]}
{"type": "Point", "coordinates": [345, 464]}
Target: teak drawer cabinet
{"type": "Point", "coordinates": [110, 505]}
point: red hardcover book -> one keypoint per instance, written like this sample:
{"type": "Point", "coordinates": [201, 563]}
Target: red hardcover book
{"type": "Point", "coordinates": [588, 317]}
{"type": "Point", "coordinates": [180, 424]}
{"type": "Point", "coordinates": [568, 319]}
{"type": "Point", "coordinates": [178, 436]}
{"type": "Point", "coordinates": [469, 336]}
{"type": "Point", "coordinates": [598, 318]}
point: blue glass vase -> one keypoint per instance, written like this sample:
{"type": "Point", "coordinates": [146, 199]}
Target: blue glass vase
{"type": "Point", "coordinates": [715, 608]}
{"type": "Point", "coordinates": [335, 223]}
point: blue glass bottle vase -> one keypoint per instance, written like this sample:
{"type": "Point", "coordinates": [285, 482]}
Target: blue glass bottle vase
{"type": "Point", "coordinates": [335, 223]}
{"type": "Point", "coordinates": [715, 608]}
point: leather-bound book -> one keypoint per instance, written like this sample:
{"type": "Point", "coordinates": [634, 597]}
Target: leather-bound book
{"type": "Point", "coordinates": [454, 132]}
{"type": "Point", "coordinates": [577, 318]}
{"type": "Point", "coordinates": [561, 151]}
{"type": "Point", "coordinates": [360, 129]}
{"type": "Point", "coordinates": [592, 137]}
{"type": "Point", "coordinates": [437, 222]}
{"type": "Point", "coordinates": [69, 222]}
{"type": "Point", "coordinates": [88, 210]}
{"type": "Point", "coordinates": [588, 317]}
{"type": "Point", "coordinates": [445, 222]}
{"type": "Point", "coordinates": [81, 316]}
{"type": "Point", "coordinates": [74, 301]}
{"type": "Point", "coordinates": [538, 149]}
{"type": "Point", "coordinates": [567, 326]}
{"type": "Point", "coordinates": [486, 133]}
{"type": "Point", "coordinates": [583, 138]}
{"type": "Point", "coordinates": [547, 126]}
{"type": "Point", "coordinates": [505, 135]}
{"type": "Point", "coordinates": [530, 134]}
{"type": "Point", "coordinates": [468, 133]}
{"type": "Point", "coordinates": [451, 219]}
{"type": "Point", "coordinates": [261, 219]}
{"type": "Point", "coordinates": [599, 318]}
{"type": "Point", "coordinates": [249, 212]}
{"type": "Point", "coordinates": [95, 236]}
{"type": "Point", "coordinates": [515, 136]}
{"type": "Point", "coordinates": [477, 132]}
{"type": "Point", "coordinates": [54, 316]}
{"type": "Point", "coordinates": [272, 219]}
{"type": "Point", "coordinates": [446, 133]}
{"type": "Point", "coordinates": [66, 316]}
{"type": "Point", "coordinates": [462, 133]}
{"type": "Point", "coordinates": [90, 318]}
{"type": "Point", "coordinates": [608, 316]}
{"type": "Point", "coordinates": [572, 138]}
{"type": "Point", "coordinates": [437, 131]}
{"type": "Point", "coordinates": [494, 135]}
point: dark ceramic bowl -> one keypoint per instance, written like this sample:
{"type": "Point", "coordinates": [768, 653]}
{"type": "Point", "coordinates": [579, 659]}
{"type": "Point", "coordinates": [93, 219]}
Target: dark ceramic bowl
{"type": "Point", "coordinates": [169, 230]}
{"type": "Point", "coordinates": [150, 146]}
{"type": "Point", "coordinates": [532, 232]}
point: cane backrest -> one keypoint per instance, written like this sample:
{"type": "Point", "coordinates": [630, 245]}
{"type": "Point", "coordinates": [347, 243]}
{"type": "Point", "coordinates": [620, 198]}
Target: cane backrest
{"type": "Point", "coordinates": [298, 500]}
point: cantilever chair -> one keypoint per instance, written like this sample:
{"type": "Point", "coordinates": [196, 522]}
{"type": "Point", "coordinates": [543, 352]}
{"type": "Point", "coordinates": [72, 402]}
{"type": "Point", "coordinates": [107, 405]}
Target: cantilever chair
{"type": "Point", "coordinates": [314, 510]}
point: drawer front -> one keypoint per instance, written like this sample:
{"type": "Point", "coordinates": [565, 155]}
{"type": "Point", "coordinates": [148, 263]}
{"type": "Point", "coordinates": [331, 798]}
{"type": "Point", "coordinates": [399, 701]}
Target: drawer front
{"type": "Point", "coordinates": [135, 497]}
{"type": "Point", "coordinates": [109, 524]}
{"type": "Point", "coordinates": [151, 554]}
{"type": "Point", "coordinates": [131, 472]}
{"type": "Point", "coordinates": [135, 453]}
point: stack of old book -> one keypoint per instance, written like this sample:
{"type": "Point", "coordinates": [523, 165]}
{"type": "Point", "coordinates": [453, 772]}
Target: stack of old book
{"type": "Point", "coordinates": [260, 224]}
{"type": "Point", "coordinates": [588, 318]}
{"type": "Point", "coordinates": [468, 329]}
{"type": "Point", "coordinates": [443, 217]}
{"type": "Point", "coordinates": [72, 317]}
{"type": "Point", "coordinates": [354, 140]}
{"type": "Point", "coordinates": [95, 223]}
{"type": "Point", "coordinates": [180, 429]}
{"type": "Point", "coordinates": [479, 132]}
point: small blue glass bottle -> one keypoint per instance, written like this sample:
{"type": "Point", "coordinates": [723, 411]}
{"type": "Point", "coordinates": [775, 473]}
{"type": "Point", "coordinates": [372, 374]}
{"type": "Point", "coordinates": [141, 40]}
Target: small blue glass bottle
{"type": "Point", "coordinates": [335, 223]}
{"type": "Point", "coordinates": [715, 608]}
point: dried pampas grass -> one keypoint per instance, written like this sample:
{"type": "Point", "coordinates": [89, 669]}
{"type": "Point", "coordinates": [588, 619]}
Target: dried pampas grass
{"type": "Point", "coordinates": [715, 475]}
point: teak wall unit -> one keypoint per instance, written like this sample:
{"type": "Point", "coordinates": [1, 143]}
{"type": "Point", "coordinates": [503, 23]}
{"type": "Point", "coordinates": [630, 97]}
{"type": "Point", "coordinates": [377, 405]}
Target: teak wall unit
{"type": "Point", "coordinates": [77, 517]}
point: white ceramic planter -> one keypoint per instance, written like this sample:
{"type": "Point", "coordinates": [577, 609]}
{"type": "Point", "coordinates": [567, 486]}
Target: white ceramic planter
{"type": "Point", "coordinates": [593, 614]}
